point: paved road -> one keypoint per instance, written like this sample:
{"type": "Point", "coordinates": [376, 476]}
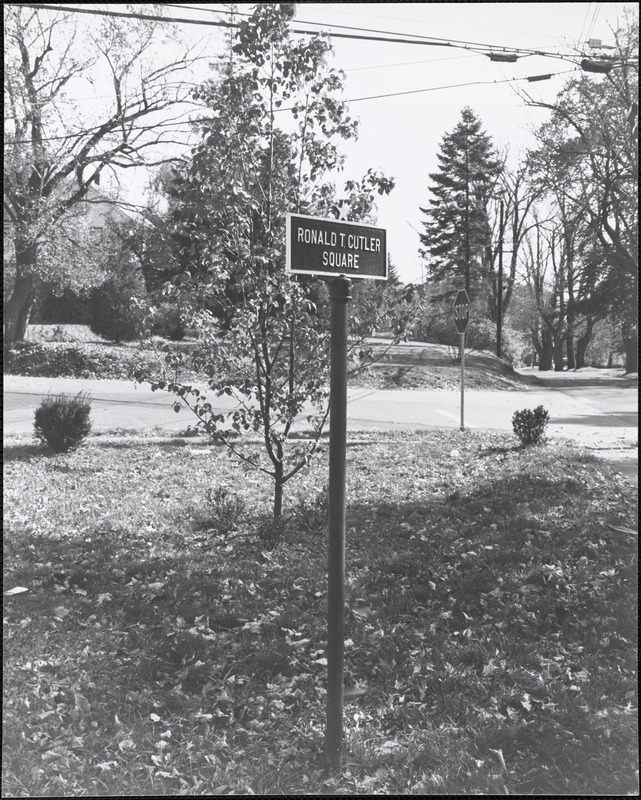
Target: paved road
{"type": "Point", "coordinates": [597, 413]}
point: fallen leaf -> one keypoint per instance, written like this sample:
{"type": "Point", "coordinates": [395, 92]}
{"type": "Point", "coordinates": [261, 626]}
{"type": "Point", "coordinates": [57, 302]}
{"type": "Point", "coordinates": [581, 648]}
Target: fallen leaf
{"type": "Point", "coordinates": [126, 744]}
{"type": "Point", "coordinates": [490, 668]}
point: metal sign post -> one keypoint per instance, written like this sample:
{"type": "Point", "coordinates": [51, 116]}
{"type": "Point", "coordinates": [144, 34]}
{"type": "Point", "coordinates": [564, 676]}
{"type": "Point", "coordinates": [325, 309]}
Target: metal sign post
{"type": "Point", "coordinates": [317, 246]}
{"type": "Point", "coordinates": [462, 381]}
{"type": "Point", "coordinates": [461, 320]}
{"type": "Point", "coordinates": [340, 295]}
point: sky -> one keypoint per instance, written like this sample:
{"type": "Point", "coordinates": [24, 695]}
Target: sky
{"type": "Point", "coordinates": [401, 135]}
{"type": "Point", "coordinates": [430, 85]}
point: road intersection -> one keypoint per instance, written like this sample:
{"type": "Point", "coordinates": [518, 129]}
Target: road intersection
{"type": "Point", "coordinates": [592, 411]}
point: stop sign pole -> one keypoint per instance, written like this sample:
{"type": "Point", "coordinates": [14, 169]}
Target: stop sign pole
{"type": "Point", "coordinates": [461, 319]}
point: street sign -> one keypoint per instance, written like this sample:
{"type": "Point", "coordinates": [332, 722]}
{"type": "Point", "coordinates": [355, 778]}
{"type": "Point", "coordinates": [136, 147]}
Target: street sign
{"type": "Point", "coordinates": [461, 310]}
{"type": "Point", "coordinates": [321, 246]}
{"type": "Point", "coordinates": [343, 251]}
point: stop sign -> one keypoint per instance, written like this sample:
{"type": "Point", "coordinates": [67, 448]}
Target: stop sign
{"type": "Point", "coordinates": [461, 310]}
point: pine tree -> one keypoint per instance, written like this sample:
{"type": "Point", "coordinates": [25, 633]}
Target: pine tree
{"type": "Point", "coordinates": [457, 232]}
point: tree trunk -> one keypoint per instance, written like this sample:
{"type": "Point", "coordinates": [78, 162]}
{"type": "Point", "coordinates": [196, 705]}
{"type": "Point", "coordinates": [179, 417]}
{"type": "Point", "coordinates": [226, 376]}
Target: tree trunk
{"type": "Point", "coordinates": [17, 310]}
{"type": "Point", "coordinates": [546, 351]}
{"type": "Point", "coordinates": [559, 341]}
{"type": "Point", "coordinates": [631, 347]}
{"type": "Point", "coordinates": [581, 348]}
{"type": "Point", "coordinates": [630, 331]}
{"type": "Point", "coordinates": [571, 351]}
{"type": "Point", "coordinates": [278, 492]}
{"type": "Point", "coordinates": [582, 344]}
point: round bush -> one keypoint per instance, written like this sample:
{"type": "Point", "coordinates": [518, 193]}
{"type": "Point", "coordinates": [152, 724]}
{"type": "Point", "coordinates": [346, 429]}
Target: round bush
{"type": "Point", "coordinates": [530, 425]}
{"type": "Point", "coordinates": [62, 422]}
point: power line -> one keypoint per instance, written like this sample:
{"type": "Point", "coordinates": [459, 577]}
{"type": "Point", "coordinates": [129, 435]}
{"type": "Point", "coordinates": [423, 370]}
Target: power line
{"type": "Point", "coordinates": [201, 121]}
{"type": "Point", "coordinates": [597, 8]}
{"type": "Point", "coordinates": [585, 19]}
{"type": "Point", "coordinates": [437, 88]}
{"type": "Point", "coordinates": [413, 36]}
{"type": "Point", "coordinates": [482, 48]}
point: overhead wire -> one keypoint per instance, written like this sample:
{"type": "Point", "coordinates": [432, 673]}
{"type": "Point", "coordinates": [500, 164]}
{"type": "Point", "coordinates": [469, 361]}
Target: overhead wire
{"type": "Point", "coordinates": [405, 38]}
{"type": "Point", "coordinates": [597, 9]}
{"type": "Point", "coordinates": [437, 88]}
{"type": "Point", "coordinates": [349, 100]}
{"type": "Point", "coordinates": [360, 29]}
{"type": "Point", "coordinates": [585, 19]}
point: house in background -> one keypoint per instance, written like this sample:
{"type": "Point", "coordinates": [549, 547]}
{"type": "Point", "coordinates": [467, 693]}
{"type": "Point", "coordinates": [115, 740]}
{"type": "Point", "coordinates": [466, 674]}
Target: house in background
{"type": "Point", "coordinates": [101, 216]}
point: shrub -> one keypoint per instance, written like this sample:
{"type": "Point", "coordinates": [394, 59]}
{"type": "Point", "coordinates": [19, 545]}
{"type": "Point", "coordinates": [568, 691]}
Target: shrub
{"type": "Point", "coordinates": [312, 515]}
{"type": "Point", "coordinates": [530, 425]}
{"type": "Point", "coordinates": [168, 323]}
{"type": "Point", "coordinates": [516, 346]}
{"type": "Point", "coordinates": [62, 422]}
{"type": "Point", "coordinates": [87, 360]}
{"type": "Point", "coordinates": [113, 313]}
{"type": "Point", "coordinates": [271, 532]}
{"type": "Point", "coordinates": [60, 359]}
{"type": "Point", "coordinates": [225, 508]}
{"type": "Point", "coordinates": [27, 358]}
{"type": "Point", "coordinates": [68, 308]}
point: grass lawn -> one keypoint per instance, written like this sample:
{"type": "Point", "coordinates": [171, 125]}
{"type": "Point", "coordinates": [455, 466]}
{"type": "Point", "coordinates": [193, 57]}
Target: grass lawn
{"type": "Point", "coordinates": [169, 644]}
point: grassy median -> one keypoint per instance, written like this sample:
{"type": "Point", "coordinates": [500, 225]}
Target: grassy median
{"type": "Point", "coordinates": [173, 641]}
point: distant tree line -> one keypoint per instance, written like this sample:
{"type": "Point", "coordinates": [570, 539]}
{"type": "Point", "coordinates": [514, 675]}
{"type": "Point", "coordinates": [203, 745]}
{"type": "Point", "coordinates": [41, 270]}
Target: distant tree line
{"type": "Point", "coordinates": [562, 225]}
{"type": "Point", "coordinates": [547, 249]}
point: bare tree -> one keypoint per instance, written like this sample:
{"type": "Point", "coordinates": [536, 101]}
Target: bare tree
{"type": "Point", "coordinates": [518, 196]}
{"type": "Point", "coordinates": [56, 145]}
{"type": "Point", "coordinates": [594, 129]}
{"type": "Point", "coordinates": [548, 269]}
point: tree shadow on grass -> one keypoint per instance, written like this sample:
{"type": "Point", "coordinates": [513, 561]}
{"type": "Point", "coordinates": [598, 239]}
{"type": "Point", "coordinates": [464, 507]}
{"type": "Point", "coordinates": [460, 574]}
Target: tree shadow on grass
{"type": "Point", "coordinates": [22, 452]}
{"type": "Point", "coordinates": [125, 444]}
{"type": "Point", "coordinates": [579, 457]}
{"type": "Point", "coordinates": [499, 451]}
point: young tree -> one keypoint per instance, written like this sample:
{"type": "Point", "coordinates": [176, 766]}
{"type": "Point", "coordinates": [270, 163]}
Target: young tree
{"type": "Point", "coordinates": [262, 335]}
{"type": "Point", "coordinates": [457, 229]}
{"type": "Point", "coordinates": [56, 147]}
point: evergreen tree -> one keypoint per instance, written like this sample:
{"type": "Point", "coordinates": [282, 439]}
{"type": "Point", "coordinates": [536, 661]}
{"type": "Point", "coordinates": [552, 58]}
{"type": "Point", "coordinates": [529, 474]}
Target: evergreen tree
{"type": "Point", "coordinates": [457, 232]}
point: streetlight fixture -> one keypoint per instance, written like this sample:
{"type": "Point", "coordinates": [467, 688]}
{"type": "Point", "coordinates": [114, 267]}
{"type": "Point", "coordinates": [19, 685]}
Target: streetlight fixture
{"type": "Point", "coordinates": [589, 65]}
{"type": "Point", "coordinates": [601, 64]}
{"type": "Point", "coordinates": [509, 58]}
